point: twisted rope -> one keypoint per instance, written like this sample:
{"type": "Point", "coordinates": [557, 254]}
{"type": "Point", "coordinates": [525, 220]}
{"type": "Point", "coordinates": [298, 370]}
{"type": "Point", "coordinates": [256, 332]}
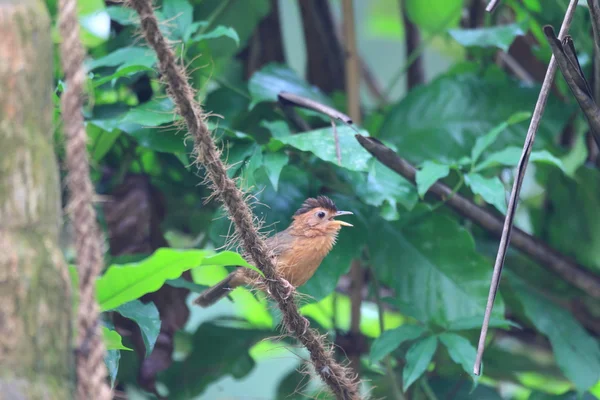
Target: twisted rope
{"type": "Point", "coordinates": [91, 371]}
{"type": "Point", "coordinates": [339, 379]}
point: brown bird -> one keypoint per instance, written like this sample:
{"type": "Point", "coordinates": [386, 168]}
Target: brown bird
{"type": "Point", "coordinates": [298, 250]}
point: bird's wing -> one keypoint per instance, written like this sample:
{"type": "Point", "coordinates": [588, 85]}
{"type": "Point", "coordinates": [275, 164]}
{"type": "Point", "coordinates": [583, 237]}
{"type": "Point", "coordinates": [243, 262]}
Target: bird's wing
{"type": "Point", "coordinates": [279, 242]}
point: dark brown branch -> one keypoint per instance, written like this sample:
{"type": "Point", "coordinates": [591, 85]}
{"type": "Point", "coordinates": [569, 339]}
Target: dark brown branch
{"type": "Point", "coordinates": [324, 52]}
{"type": "Point", "coordinates": [415, 75]}
{"type": "Point", "coordinates": [539, 251]}
{"type": "Point", "coordinates": [566, 58]}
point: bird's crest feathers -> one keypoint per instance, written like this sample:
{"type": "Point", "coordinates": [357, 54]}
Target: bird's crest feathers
{"type": "Point", "coordinates": [312, 203]}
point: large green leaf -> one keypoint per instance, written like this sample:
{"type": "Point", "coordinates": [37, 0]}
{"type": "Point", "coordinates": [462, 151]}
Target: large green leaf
{"type": "Point", "coordinates": [273, 164]}
{"type": "Point", "coordinates": [429, 173]}
{"type": "Point", "coordinates": [391, 339]}
{"type": "Point", "coordinates": [418, 358]}
{"type": "Point", "coordinates": [179, 13]}
{"type": "Point", "coordinates": [573, 226]}
{"type": "Point", "coordinates": [491, 189]}
{"type": "Point", "coordinates": [441, 120]}
{"type": "Point", "coordinates": [219, 31]}
{"type": "Point", "coordinates": [510, 156]}
{"type": "Point", "coordinates": [434, 269]}
{"type": "Point", "coordinates": [576, 352]}
{"type": "Point", "coordinates": [500, 37]}
{"type": "Point", "coordinates": [485, 141]}
{"type": "Point", "coordinates": [461, 351]}
{"type": "Point", "coordinates": [243, 16]}
{"type": "Point", "coordinates": [125, 57]}
{"type": "Point", "coordinates": [146, 317]}
{"type": "Point", "coordinates": [121, 284]}
{"type": "Point", "coordinates": [272, 79]}
{"type": "Point", "coordinates": [382, 185]}
{"type": "Point", "coordinates": [321, 143]}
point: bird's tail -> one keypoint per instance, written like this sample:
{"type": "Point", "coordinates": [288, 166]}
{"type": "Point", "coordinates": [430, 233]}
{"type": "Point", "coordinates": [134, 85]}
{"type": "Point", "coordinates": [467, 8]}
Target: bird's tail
{"type": "Point", "coordinates": [214, 293]}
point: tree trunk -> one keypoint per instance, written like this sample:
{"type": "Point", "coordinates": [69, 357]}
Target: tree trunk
{"type": "Point", "coordinates": [35, 304]}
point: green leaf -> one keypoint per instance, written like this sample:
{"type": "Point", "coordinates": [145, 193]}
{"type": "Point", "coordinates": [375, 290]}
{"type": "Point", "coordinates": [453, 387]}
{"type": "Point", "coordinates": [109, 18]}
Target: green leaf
{"type": "Point", "coordinates": [576, 352]}
{"type": "Point", "coordinates": [158, 139]}
{"type": "Point", "coordinates": [179, 13]}
{"type": "Point", "coordinates": [111, 359]}
{"type": "Point", "coordinates": [437, 254]}
{"type": "Point", "coordinates": [152, 113]}
{"type": "Point", "coordinates": [384, 185]}
{"type": "Point", "coordinates": [435, 14]}
{"type": "Point", "coordinates": [112, 340]}
{"type": "Point", "coordinates": [442, 120]}
{"type": "Point", "coordinates": [491, 189]}
{"type": "Point", "coordinates": [101, 140]}
{"type": "Point", "coordinates": [274, 163]}
{"type": "Point", "coordinates": [476, 321]}
{"type": "Point", "coordinates": [241, 15]}
{"type": "Point", "coordinates": [482, 143]}
{"type": "Point", "coordinates": [125, 57]}
{"type": "Point", "coordinates": [391, 339]}
{"type": "Point", "coordinates": [500, 37]}
{"type": "Point", "coordinates": [429, 173]}
{"type": "Point", "coordinates": [123, 15]}
{"type": "Point", "coordinates": [321, 143]}
{"type": "Point", "coordinates": [230, 258]}
{"type": "Point", "coordinates": [146, 317]}
{"type": "Point", "coordinates": [121, 284]}
{"type": "Point", "coordinates": [127, 71]}
{"type": "Point", "coordinates": [219, 31]}
{"type": "Point", "coordinates": [510, 157]}
{"type": "Point", "coordinates": [278, 129]}
{"type": "Point", "coordinates": [248, 176]}
{"type": "Point", "coordinates": [418, 358]}
{"type": "Point", "coordinates": [461, 351]}
{"type": "Point", "coordinates": [272, 79]}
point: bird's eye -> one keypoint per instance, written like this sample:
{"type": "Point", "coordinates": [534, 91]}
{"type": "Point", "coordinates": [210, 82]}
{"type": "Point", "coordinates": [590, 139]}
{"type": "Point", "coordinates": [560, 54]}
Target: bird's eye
{"type": "Point", "coordinates": [321, 214]}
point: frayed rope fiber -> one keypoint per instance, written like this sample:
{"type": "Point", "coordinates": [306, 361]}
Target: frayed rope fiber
{"type": "Point", "coordinates": [339, 379]}
{"type": "Point", "coordinates": [91, 371]}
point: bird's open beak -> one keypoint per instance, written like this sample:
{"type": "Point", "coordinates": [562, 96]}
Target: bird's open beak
{"type": "Point", "coordinates": [342, 223]}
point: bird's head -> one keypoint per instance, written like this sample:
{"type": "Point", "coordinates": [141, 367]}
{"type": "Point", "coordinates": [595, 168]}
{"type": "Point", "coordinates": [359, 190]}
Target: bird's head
{"type": "Point", "coordinates": [316, 217]}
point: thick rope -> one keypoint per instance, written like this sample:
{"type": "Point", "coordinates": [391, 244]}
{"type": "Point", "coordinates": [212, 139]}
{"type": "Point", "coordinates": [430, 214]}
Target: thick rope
{"type": "Point", "coordinates": [339, 379]}
{"type": "Point", "coordinates": [91, 371]}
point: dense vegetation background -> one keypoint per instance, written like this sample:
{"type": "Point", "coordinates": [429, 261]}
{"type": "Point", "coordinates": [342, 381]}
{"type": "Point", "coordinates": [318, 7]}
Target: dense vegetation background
{"type": "Point", "coordinates": [447, 86]}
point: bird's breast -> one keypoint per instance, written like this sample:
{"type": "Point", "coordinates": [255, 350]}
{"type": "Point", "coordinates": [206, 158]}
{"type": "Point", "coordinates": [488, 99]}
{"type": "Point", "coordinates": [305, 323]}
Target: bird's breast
{"type": "Point", "coordinates": [299, 263]}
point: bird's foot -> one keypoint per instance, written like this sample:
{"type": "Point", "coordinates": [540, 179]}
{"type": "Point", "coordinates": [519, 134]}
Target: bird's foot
{"type": "Point", "coordinates": [306, 325]}
{"type": "Point", "coordinates": [289, 289]}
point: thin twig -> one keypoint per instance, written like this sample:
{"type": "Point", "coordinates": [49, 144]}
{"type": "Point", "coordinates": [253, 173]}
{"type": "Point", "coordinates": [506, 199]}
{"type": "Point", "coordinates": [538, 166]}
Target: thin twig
{"type": "Point", "coordinates": [388, 358]}
{"type": "Point", "coordinates": [340, 380]}
{"type": "Point", "coordinates": [512, 204]}
{"type": "Point", "coordinates": [492, 5]}
{"type": "Point", "coordinates": [352, 86]}
{"type": "Point", "coordinates": [578, 275]}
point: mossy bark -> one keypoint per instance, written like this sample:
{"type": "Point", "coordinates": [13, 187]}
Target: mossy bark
{"type": "Point", "coordinates": [35, 306]}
